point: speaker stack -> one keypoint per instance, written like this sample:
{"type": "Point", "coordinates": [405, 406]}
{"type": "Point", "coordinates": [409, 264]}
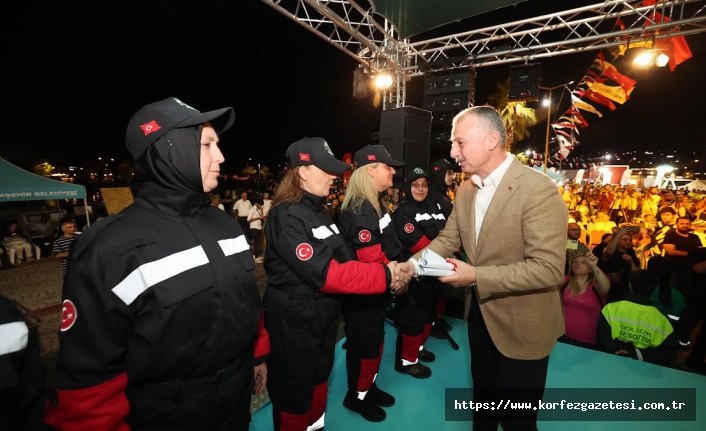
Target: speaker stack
{"type": "Point", "coordinates": [445, 96]}
{"type": "Point", "coordinates": [405, 134]}
{"type": "Point", "coordinates": [524, 82]}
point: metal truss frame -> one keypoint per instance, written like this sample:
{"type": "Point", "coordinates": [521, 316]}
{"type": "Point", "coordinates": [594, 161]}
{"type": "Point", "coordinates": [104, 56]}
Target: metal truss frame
{"type": "Point", "coordinates": [353, 27]}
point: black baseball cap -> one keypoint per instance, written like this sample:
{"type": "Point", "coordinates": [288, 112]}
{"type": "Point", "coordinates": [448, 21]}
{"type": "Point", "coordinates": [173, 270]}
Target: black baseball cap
{"type": "Point", "coordinates": [154, 120]}
{"type": "Point", "coordinates": [375, 154]}
{"type": "Point", "coordinates": [442, 165]}
{"type": "Point", "coordinates": [416, 174]}
{"type": "Point", "coordinates": [315, 151]}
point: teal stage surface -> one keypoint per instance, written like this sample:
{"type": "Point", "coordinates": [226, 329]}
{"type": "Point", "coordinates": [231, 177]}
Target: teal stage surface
{"type": "Point", "coordinates": [422, 404]}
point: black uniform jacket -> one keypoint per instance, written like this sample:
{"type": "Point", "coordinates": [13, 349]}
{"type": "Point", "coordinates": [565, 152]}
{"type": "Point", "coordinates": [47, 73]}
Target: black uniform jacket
{"type": "Point", "coordinates": [305, 249]}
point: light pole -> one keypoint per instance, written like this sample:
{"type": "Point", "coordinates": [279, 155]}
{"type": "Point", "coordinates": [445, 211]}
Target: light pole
{"type": "Point", "coordinates": [548, 103]}
{"type": "Point", "coordinates": [258, 179]}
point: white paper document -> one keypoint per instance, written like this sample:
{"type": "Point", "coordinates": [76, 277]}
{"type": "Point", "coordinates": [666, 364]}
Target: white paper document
{"type": "Point", "coordinates": [431, 264]}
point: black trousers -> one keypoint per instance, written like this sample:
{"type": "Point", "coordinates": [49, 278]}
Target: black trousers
{"type": "Point", "coordinates": [497, 377]}
{"type": "Point", "coordinates": [364, 317]}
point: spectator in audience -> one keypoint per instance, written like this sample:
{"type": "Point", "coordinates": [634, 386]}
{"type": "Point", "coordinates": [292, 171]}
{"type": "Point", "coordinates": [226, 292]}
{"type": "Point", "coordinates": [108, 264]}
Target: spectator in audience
{"type": "Point", "coordinates": [256, 216]}
{"type": "Point", "coordinates": [583, 294]}
{"type": "Point", "coordinates": [43, 233]}
{"type": "Point", "coordinates": [634, 328]}
{"type": "Point", "coordinates": [18, 247]}
{"type": "Point", "coordinates": [574, 247]}
{"type": "Point", "coordinates": [241, 209]}
{"type": "Point", "coordinates": [668, 299]}
{"type": "Point", "coordinates": [696, 312]}
{"type": "Point", "coordinates": [700, 230]}
{"type": "Point", "coordinates": [666, 222]}
{"type": "Point", "coordinates": [618, 260]}
{"type": "Point", "coordinates": [603, 222]}
{"type": "Point", "coordinates": [677, 244]}
{"type": "Point", "coordinates": [62, 245]}
{"type": "Point", "coordinates": [216, 201]}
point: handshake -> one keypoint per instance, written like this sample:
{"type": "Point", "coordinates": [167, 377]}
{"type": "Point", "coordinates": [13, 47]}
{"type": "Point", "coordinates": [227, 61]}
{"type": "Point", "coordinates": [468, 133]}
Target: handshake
{"type": "Point", "coordinates": [402, 273]}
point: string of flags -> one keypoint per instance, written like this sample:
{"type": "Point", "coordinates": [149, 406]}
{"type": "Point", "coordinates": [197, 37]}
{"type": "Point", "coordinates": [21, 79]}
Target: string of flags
{"type": "Point", "coordinates": [605, 87]}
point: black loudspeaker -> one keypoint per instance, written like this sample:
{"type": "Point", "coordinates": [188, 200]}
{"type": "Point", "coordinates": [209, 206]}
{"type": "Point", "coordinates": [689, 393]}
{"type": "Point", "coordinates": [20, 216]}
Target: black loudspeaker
{"type": "Point", "coordinates": [524, 82]}
{"type": "Point", "coordinates": [405, 134]}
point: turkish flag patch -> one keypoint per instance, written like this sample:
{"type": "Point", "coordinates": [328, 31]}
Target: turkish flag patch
{"type": "Point", "coordinates": [409, 228]}
{"type": "Point", "coordinates": [304, 157]}
{"type": "Point", "coordinates": [364, 235]}
{"type": "Point", "coordinates": [68, 315]}
{"type": "Point", "coordinates": [150, 127]}
{"type": "Point", "coordinates": [304, 251]}
{"type": "Point", "coordinates": [372, 157]}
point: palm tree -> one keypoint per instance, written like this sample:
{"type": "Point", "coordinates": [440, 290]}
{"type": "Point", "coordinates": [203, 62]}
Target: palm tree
{"type": "Point", "coordinates": [517, 116]}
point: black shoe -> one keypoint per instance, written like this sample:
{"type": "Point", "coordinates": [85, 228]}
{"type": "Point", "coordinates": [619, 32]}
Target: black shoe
{"type": "Point", "coordinates": [426, 356]}
{"type": "Point", "coordinates": [419, 371]}
{"type": "Point", "coordinates": [365, 407]}
{"type": "Point", "coordinates": [380, 397]}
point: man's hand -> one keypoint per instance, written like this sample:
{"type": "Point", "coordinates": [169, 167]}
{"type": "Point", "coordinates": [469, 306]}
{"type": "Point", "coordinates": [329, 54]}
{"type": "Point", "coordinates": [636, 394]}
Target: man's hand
{"type": "Point", "coordinates": [260, 378]}
{"type": "Point", "coordinates": [464, 274]}
{"type": "Point", "coordinates": [404, 272]}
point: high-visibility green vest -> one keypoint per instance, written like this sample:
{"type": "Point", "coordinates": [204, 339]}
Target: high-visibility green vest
{"type": "Point", "coordinates": [640, 325]}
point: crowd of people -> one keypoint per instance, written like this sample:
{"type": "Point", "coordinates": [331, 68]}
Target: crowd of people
{"type": "Point", "coordinates": [163, 327]}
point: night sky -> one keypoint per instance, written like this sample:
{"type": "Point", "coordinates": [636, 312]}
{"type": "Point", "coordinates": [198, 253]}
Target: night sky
{"type": "Point", "coordinates": [74, 75]}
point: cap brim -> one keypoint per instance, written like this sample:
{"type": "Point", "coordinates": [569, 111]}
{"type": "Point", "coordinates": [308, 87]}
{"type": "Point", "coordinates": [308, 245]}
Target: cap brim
{"type": "Point", "coordinates": [223, 119]}
{"type": "Point", "coordinates": [394, 163]}
{"type": "Point", "coordinates": [333, 166]}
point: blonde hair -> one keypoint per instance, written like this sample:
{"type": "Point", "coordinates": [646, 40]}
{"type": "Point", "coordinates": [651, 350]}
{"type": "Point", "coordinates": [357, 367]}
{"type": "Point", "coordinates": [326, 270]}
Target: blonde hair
{"type": "Point", "coordinates": [361, 188]}
{"type": "Point", "coordinates": [573, 285]}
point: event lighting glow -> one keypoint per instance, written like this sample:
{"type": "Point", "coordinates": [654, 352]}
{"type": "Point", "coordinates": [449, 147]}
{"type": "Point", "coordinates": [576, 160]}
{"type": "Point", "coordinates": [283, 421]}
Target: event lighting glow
{"type": "Point", "coordinates": [382, 81]}
{"type": "Point", "coordinates": [651, 57]}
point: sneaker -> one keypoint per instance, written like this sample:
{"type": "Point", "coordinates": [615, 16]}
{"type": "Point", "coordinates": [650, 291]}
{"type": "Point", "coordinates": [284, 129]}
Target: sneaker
{"type": "Point", "coordinates": [380, 397]}
{"type": "Point", "coordinates": [258, 260]}
{"type": "Point", "coordinates": [365, 407]}
{"type": "Point", "coordinates": [419, 371]}
{"type": "Point", "coordinates": [426, 356]}
{"type": "Point", "coordinates": [684, 345]}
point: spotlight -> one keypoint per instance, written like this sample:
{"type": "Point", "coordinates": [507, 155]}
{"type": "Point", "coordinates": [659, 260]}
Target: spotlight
{"type": "Point", "coordinates": [382, 81]}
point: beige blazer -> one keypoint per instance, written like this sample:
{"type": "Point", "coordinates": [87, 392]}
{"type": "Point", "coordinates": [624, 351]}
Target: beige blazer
{"type": "Point", "coordinates": [519, 259]}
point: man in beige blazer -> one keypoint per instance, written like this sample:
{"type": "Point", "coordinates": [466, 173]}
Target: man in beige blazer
{"type": "Point", "coordinates": [511, 221]}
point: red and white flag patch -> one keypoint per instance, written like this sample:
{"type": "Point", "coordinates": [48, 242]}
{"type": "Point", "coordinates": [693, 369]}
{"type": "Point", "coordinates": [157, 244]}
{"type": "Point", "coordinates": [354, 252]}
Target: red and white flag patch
{"type": "Point", "coordinates": [364, 235]}
{"type": "Point", "coordinates": [409, 228]}
{"type": "Point", "coordinates": [150, 127]}
{"type": "Point", "coordinates": [68, 315]}
{"type": "Point", "coordinates": [304, 251]}
{"type": "Point", "coordinates": [372, 157]}
{"type": "Point", "coordinates": [304, 157]}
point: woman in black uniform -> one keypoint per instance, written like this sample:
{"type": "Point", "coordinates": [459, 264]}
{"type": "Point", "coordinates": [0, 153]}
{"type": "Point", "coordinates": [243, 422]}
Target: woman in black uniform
{"type": "Point", "coordinates": [366, 224]}
{"type": "Point", "coordinates": [307, 262]}
{"type": "Point", "coordinates": [418, 220]}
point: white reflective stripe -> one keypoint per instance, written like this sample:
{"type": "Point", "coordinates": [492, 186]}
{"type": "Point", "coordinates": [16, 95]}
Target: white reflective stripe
{"type": "Point", "coordinates": [13, 337]}
{"type": "Point", "coordinates": [671, 317]}
{"type": "Point", "coordinates": [321, 232]}
{"type": "Point", "coordinates": [385, 222]}
{"type": "Point", "coordinates": [234, 245]}
{"type": "Point", "coordinates": [335, 229]}
{"type": "Point", "coordinates": [318, 424]}
{"type": "Point", "coordinates": [419, 217]}
{"type": "Point", "coordinates": [427, 216]}
{"type": "Point", "coordinates": [149, 274]}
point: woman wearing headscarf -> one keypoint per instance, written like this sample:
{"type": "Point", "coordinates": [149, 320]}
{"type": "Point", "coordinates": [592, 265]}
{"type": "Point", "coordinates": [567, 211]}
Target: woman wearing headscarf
{"type": "Point", "coordinates": [160, 326]}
